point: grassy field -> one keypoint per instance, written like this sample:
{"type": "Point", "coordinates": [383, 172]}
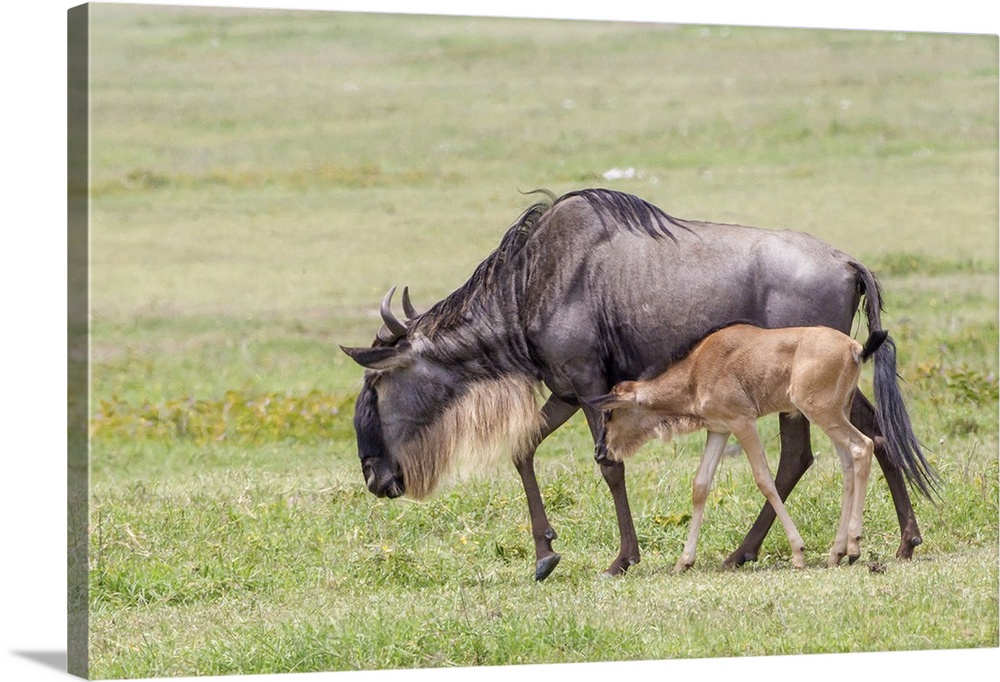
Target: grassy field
{"type": "Point", "coordinates": [260, 179]}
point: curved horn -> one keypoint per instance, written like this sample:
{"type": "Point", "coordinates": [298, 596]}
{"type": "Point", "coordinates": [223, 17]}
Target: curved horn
{"type": "Point", "coordinates": [408, 308]}
{"type": "Point", "coordinates": [395, 327]}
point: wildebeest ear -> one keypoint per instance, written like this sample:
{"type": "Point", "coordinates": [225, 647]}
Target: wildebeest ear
{"type": "Point", "coordinates": [379, 357]}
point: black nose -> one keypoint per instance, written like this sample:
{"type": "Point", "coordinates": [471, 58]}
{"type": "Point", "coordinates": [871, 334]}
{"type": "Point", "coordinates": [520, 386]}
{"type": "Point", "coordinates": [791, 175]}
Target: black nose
{"type": "Point", "coordinates": [392, 489]}
{"type": "Point", "coordinates": [383, 481]}
{"type": "Point", "coordinates": [388, 486]}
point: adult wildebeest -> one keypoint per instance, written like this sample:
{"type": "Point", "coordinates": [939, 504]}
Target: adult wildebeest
{"type": "Point", "coordinates": [585, 291]}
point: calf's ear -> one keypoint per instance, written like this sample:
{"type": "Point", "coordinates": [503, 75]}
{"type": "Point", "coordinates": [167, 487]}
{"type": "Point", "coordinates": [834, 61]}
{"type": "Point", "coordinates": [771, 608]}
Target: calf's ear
{"type": "Point", "coordinates": [605, 402]}
{"type": "Point", "coordinates": [379, 358]}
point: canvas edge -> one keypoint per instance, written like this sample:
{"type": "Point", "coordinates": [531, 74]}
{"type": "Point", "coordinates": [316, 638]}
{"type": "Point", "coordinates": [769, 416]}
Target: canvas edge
{"type": "Point", "coordinates": [78, 339]}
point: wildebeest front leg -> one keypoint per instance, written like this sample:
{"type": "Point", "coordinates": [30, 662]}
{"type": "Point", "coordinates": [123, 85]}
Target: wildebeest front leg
{"type": "Point", "coordinates": [556, 413]}
{"type": "Point", "coordinates": [863, 417]}
{"type": "Point", "coordinates": [614, 475]}
{"type": "Point", "coordinates": [628, 553]}
{"type": "Point", "coordinates": [796, 456]}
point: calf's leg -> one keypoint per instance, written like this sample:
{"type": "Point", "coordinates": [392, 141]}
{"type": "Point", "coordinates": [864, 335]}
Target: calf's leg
{"type": "Point", "coordinates": [714, 447]}
{"type": "Point", "coordinates": [855, 452]}
{"type": "Point", "coordinates": [796, 457]}
{"type": "Point", "coordinates": [749, 439]}
{"type": "Point", "coordinates": [863, 416]}
{"type": "Point", "coordinates": [839, 548]}
{"type": "Point", "coordinates": [862, 449]}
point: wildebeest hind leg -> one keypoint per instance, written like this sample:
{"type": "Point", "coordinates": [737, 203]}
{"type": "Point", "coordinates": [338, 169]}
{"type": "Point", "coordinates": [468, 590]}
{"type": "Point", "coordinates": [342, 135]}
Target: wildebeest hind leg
{"type": "Point", "coordinates": [556, 413]}
{"type": "Point", "coordinates": [796, 457]}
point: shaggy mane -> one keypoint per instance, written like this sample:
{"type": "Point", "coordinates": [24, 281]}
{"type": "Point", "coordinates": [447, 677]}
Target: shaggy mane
{"type": "Point", "coordinates": [614, 210]}
{"type": "Point", "coordinates": [453, 309]}
{"type": "Point", "coordinates": [617, 209]}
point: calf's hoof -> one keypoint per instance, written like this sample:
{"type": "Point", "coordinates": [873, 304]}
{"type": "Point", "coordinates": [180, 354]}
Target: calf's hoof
{"type": "Point", "coordinates": [545, 566]}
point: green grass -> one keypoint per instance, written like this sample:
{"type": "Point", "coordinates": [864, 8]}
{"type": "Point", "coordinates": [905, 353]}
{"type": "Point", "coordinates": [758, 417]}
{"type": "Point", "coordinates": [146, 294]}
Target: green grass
{"type": "Point", "coordinates": [260, 179]}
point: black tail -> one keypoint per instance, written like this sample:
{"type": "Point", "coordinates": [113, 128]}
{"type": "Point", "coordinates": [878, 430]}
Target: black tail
{"type": "Point", "coordinates": [901, 444]}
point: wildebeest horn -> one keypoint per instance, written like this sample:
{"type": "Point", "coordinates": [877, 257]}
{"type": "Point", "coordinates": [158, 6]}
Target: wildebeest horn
{"type": "Point", "coordinates": [396, 328]}
{"type": "Point", "coordinates": [408, 308]}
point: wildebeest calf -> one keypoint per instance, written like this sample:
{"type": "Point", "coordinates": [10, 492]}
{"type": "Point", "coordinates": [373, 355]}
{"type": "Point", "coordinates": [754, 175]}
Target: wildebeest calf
{"type": "Point", "coordinates": [730, 379]}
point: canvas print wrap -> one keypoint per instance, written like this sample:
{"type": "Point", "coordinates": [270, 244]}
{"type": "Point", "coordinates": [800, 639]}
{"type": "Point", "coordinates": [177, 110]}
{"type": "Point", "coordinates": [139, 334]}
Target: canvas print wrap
{"type": "Point", "coordinates": [333, 359]}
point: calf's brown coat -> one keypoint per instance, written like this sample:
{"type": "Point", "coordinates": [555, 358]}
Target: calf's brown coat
{"type": "Point", "coordinates": [731, 378]}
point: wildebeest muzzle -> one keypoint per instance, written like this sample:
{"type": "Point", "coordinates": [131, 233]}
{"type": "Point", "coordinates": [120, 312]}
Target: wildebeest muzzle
{"type": "Point", "coordinates": [383, 479]}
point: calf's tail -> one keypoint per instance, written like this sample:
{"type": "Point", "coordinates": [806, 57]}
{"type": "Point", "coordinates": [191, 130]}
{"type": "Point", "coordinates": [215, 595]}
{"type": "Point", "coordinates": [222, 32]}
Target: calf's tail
{"type": "Point", "coordinates": [901, 443]}
{"type": "Point", "coordinates": [874, 342]}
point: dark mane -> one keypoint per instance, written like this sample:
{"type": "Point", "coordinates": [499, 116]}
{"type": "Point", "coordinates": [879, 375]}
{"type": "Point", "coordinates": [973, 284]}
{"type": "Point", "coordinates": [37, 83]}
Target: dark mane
{"type": "Point", "coordinates": [454, 308]}
{"type": "Point", "coordinates": [617, 209]}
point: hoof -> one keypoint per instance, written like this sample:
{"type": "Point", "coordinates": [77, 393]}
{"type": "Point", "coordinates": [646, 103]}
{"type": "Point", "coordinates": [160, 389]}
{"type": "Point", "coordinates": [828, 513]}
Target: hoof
{"type": "Point", "coordinates": [545, 566]}
{"type": "Point", "coordinates": [736, 559]}
{"type": "Point", "coordinates": [905, 550]}
{"type": "Point", "coordinates": [620, 567]}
